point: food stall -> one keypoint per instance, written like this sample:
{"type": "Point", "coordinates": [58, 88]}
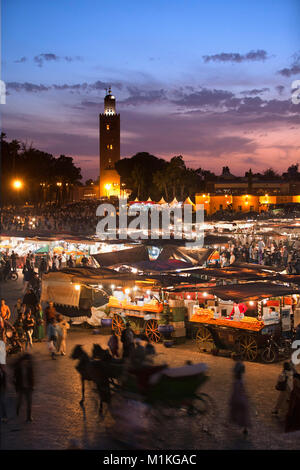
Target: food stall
{"type": "Point", "coordinates": [141, 307]}
{"type": "Point", "coordinates": [242, 318]}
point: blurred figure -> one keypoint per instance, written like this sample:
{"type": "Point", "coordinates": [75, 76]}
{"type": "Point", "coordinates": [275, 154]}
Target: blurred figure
{"type": "Point", "coordinates": [28, 326]}
{"type": "Point", "coordinates": [30, 299]}
{"type": "Point", "coordinates": [43, 268]}
{"type": "Point", "coordinates": [17, 308]}
{"type": "Point", "coordinates": [61, 328]}
{"type": "Point", "coordinates": [50, 313]}
{"type": "Point", "coordinates": [284, 386]}
{"type": "Point", "coordinates": [127, 338]}
{"type": "Point", "coordinates": [238, 403]}
{"type": "Point", "coordinates": [52, 337]}
{"type": "Point", "coordinates": [149, 348]}
{"type": "Point", "coordinates": [39, 331]}
{"type": "Point", "coordinates": [19, 326]}
{"type": "Point", "coordinates": [5, 311]}
{"type": "Point", "coordinates": [113, 344]}
{"type": "Point", "coordinates": [2, 371]}
{"type": "Point", "coordinates": [24, 383]}
{"type": "Point", "coordinates": [292, 420]}
{"type": "Point", "coordinates": [13, 259]}
{"type": "Point", "coordinates": [2, 394]}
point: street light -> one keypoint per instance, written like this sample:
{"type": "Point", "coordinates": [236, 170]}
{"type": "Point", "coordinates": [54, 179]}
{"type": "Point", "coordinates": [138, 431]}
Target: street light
{"type": "Point", "coordinates": [17, 184]}
{"type": "Point", "coordinates": [107, 187]}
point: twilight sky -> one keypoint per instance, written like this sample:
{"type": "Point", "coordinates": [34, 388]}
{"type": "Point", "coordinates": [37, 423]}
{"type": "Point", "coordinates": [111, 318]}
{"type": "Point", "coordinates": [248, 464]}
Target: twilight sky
{"type": "Point", "coordinates": [208, 80]}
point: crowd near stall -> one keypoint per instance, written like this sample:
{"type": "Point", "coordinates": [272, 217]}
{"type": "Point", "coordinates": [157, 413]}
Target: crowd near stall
{"type": "Point", "coordinates": [238, 294]}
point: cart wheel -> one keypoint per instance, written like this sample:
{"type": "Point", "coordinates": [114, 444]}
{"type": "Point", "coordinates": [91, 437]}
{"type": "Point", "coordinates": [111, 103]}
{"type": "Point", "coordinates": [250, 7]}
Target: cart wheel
{"type": "Point", "coordinates": [118, 324]}
{"type": "Point", "coordinates": [204, 339]}
{"type": "Point", "coordinates": [14, 276]}
{"type": "Point", "coordinates": [268, 355]}
{"type": "Point", "coordinates": [247, 347]}
{"type": "Point", "coordinates": [152, 332]}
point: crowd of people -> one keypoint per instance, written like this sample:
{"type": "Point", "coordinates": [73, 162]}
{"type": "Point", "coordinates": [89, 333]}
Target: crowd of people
{"type": "Point", "coordinates": [34, 266]}
{"type": "Point", "coordinates": [77, 217]}
{"type": "Point", "coordinates": [269, 253]}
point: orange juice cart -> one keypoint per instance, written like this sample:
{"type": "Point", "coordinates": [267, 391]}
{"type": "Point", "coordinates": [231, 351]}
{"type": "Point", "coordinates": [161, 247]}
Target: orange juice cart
{"type": "Point", "coordinates": [251, 320]}
{"type": "Point", "coordinates": [143, 316]}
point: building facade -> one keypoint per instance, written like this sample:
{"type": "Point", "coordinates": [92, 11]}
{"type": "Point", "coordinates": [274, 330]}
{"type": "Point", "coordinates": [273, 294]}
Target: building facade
{"type": "Point", "coordinates": [109, 138]}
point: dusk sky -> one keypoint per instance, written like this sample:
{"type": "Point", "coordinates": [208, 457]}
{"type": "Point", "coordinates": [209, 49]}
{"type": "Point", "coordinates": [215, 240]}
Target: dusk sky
{"type": "Point", "coordinates": [208, 80]}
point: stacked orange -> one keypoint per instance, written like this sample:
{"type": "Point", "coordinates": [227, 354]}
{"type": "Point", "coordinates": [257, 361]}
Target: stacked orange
{"type": "Point", "coordinates": [247, 323]}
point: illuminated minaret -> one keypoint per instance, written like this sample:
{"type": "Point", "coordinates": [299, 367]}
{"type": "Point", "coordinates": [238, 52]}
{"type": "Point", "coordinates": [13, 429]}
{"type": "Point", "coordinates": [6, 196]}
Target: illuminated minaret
{"type": "Point", "coordinates": [109, 147]}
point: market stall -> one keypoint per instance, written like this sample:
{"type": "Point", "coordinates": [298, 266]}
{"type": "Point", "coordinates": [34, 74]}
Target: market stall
{"type": "Point", "coordinates": [241, 319]}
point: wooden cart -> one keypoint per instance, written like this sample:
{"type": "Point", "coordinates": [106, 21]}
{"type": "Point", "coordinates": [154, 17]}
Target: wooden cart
{"type": "Point", "coordinates": [249, 338]}
{"type": "Point", "coordinates": [142, 319]}
{"type": "Point", "coordinates": [246, 339]}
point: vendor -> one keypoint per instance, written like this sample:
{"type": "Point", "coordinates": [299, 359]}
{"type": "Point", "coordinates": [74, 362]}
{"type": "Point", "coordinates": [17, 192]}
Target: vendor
{"type": "Point", "coordinates": [238, 311]}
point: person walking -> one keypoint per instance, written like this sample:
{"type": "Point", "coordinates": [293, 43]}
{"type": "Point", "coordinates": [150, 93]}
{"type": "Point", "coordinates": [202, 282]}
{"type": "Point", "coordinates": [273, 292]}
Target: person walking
{"type": "Point", "coordinates": [28, 325]}
{"type": "Point", "coordinates": [127, 338]}
{"type": "Point", "coordinates": [2, 370]}
{"type": "Point", "coordinates": [17, 309]}
{"type": "Point", "coordinates": [13, 259]}
{"type": "Point", "coordinates": [62, 328]}
{"type": "Point", "coordinates": [30, 299]}
{"type": "Point", "coordinates": [39, 331]}
{"type": "Point", "coordinates": [113, 344]}
{"type": "Point", "coordinates": [284, 386]}
{"type": "Point", "coordinates": [239, 403]}
{"type": "Point", "coordinates": [292, 419]}
{"type": "Point", "coordinates": [19, 326]}
{"type": "Point", "coordinates": [52, 337]}
{"type": "Point", "coordinates": [24, 383]}
{"type": "Point", "coordinates": [5, 311]}
{"type": "Point", "coordinates": [3, 413]}
{"type": "Point", "coordinates": [42, 267]}
{"type": "Point", "coordinates": [50, 313]}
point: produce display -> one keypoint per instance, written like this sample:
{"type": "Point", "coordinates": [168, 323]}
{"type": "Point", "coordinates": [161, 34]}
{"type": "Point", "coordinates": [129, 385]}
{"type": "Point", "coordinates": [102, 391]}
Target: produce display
{"type": "Point", "coordinates": [206, 315]}
{"type": "Point", "coordinates": [151, 306]}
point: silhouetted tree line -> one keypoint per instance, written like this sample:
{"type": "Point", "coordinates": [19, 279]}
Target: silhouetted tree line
{"type": "Point", "coordinates": [44, 177]}
{"type": "Point", "coordinates": [146, 175]}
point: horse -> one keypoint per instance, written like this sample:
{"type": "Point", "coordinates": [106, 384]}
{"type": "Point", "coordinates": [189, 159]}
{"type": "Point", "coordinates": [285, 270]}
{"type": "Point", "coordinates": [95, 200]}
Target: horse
{"type": "Point", "coordinates": [110, 367]}
{"type": "Point", "coordinates": [92, 371]}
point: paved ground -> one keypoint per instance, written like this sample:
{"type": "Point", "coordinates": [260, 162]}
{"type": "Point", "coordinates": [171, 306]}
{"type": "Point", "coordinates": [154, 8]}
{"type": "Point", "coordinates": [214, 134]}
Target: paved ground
{"type": "Point", "coordinates": [58, 418]}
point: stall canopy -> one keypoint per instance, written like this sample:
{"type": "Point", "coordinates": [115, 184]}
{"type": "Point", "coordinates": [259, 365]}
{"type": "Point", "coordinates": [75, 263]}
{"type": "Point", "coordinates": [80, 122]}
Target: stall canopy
{"type": "Point", "coordinates": [233, 272]}
{"type": "Point", "coordinates": [195, 257]}
{"type": "Point", "coordinates": [127, 256]}
{"type": "Point", "coordinates": [139, 254]}
{"type": "Point", "coordinates": [244, 292]}
{"type": "Point", "coordinates": [59, 286]}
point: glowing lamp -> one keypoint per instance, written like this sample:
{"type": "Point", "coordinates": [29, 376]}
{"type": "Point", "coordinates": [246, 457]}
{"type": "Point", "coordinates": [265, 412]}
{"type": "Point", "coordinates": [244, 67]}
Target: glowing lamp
{"type": "Point", "coordinates": [17, 184]}
{"type": "Point", "coordinates": [77, 287]}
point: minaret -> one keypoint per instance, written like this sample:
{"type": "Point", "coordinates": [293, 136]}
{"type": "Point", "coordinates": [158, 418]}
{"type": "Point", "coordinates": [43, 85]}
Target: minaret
{"type": "Point", "coordinates": [109, 181]}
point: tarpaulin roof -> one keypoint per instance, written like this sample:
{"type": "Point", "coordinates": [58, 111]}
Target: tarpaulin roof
{"type": "Point", "coordinates": [216, 239]}
{"type": "Point", "coordinates": [170, 251]}
{"type": "Point", "coordinates": [245, 292]}
{"type": "Point", "coordinates": [233, 272]}
{"type": "Point", "coordinates": [127, 256]}
{"type": "Point", "coordinates": [196, 257]}
{"type": "Point", "coordinates": [257, 267]}
{"type": "Point", "coordinates": [165, 266]}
